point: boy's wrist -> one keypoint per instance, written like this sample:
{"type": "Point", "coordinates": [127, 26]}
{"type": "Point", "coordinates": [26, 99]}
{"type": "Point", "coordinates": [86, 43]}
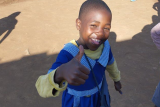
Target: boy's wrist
{"type": "Point", "coordinates": [58, 76]}
{"type": "Point", "coordinates": [116, 81]}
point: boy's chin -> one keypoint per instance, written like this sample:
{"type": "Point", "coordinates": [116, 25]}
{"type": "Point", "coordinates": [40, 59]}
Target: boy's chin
{"type": "Point", "coordinates": [93, 48]}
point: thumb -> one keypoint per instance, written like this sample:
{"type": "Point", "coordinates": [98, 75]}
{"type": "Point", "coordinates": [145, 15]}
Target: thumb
{"type": "Point", "coordinates": [80, 53]}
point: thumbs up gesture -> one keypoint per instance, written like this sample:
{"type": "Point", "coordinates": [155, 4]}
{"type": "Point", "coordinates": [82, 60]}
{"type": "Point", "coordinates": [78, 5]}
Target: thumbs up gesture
{"type": "Point", "coordinates": [73, 72]}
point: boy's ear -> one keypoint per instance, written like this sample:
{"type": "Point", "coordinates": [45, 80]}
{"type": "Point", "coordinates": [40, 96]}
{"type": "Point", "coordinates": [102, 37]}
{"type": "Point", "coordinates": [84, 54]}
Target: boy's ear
{"type": "Point", "coordinates": [78, 24]}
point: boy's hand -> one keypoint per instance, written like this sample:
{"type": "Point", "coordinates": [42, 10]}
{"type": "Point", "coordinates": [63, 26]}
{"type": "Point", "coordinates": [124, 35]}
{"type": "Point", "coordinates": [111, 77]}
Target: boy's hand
{"type": "Point", "coordinates": [73, 72]}
{"type": "Point", "coordinates": [118, 86]}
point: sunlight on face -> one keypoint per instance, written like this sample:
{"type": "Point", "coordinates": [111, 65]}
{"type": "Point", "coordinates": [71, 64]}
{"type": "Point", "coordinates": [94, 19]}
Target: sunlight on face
{"type": "Point", "coordinates": [94, 28]}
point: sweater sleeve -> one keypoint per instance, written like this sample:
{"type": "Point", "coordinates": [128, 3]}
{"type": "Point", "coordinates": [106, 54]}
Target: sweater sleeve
{"type": "Point", "coordinates": [45, 84]}
{"type": "Point", "coordinates": [112, 68]}
{"type": "Point", "coordinates": [113, 71]}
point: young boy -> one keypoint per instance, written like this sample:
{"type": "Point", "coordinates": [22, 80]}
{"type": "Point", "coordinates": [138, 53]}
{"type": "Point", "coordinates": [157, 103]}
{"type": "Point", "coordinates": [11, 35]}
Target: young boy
{"type": "Point", "coordinates": [155, 34]}
{"type": "Point", "coordinates": [71, 72]}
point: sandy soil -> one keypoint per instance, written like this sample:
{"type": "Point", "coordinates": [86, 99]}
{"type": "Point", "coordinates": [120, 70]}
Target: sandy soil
{"type": "Point", "coordinates": [32, 33]}
{"type": "Point", "coordinates": [8, 2]}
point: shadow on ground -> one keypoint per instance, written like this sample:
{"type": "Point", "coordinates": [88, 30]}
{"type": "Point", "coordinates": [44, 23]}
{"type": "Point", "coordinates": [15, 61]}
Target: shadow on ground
{"type": "Point", "coordinates": [139, 62]}
{"type": "Point", "coordinates": [7, 24]}
{"type": "Point", "coordinates": [18, 82]}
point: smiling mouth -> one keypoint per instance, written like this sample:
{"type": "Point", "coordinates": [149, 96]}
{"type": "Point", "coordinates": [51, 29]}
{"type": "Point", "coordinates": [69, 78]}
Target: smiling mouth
{"type": "Point", "coordinates": [95, 41]}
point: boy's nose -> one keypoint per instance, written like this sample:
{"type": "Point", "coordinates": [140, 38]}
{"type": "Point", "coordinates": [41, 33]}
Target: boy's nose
{"type": "Point", "coordinates": [100, 31]}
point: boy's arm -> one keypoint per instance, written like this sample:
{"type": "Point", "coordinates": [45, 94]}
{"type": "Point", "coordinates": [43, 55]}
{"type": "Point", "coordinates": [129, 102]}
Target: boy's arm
{"type": "Point", "coordinates": [46, 85]}
{"type": "Point", "coordinates": [65, 68]}
{"type": "Point", "coordinates": [114, 73]}
{"type": "Point", "coordinates": [112, 68]}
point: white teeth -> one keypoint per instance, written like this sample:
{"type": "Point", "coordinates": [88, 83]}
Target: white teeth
{"type": "Point", "coordinates": [96, 40]}
{"type": "Point", "coordinates": [94, 35]}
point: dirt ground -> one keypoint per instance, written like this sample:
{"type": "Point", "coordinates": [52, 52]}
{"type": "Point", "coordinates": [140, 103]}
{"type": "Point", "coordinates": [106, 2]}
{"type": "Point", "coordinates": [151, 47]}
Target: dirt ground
{"type": "Point", "coordinates": [32, 33]}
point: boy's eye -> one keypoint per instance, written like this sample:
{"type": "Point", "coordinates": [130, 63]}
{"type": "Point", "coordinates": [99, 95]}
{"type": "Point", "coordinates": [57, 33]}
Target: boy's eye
{"type": "Point", "coordinates": [107, 28]}
{"type": "Point", "coordinates": [93, 26]}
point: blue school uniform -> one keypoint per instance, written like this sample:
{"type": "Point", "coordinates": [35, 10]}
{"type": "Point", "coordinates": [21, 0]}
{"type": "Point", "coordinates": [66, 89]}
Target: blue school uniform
{"type": "Point", "coordinates": [85, 95]}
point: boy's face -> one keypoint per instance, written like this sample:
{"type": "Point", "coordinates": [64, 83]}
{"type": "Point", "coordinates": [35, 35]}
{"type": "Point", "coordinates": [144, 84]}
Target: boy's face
{"type": "Point", "coordinates": [94, 28]}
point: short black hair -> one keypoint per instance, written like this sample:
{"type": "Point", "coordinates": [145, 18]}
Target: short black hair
{"type": "Point", "coordinates": [92, 5]}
